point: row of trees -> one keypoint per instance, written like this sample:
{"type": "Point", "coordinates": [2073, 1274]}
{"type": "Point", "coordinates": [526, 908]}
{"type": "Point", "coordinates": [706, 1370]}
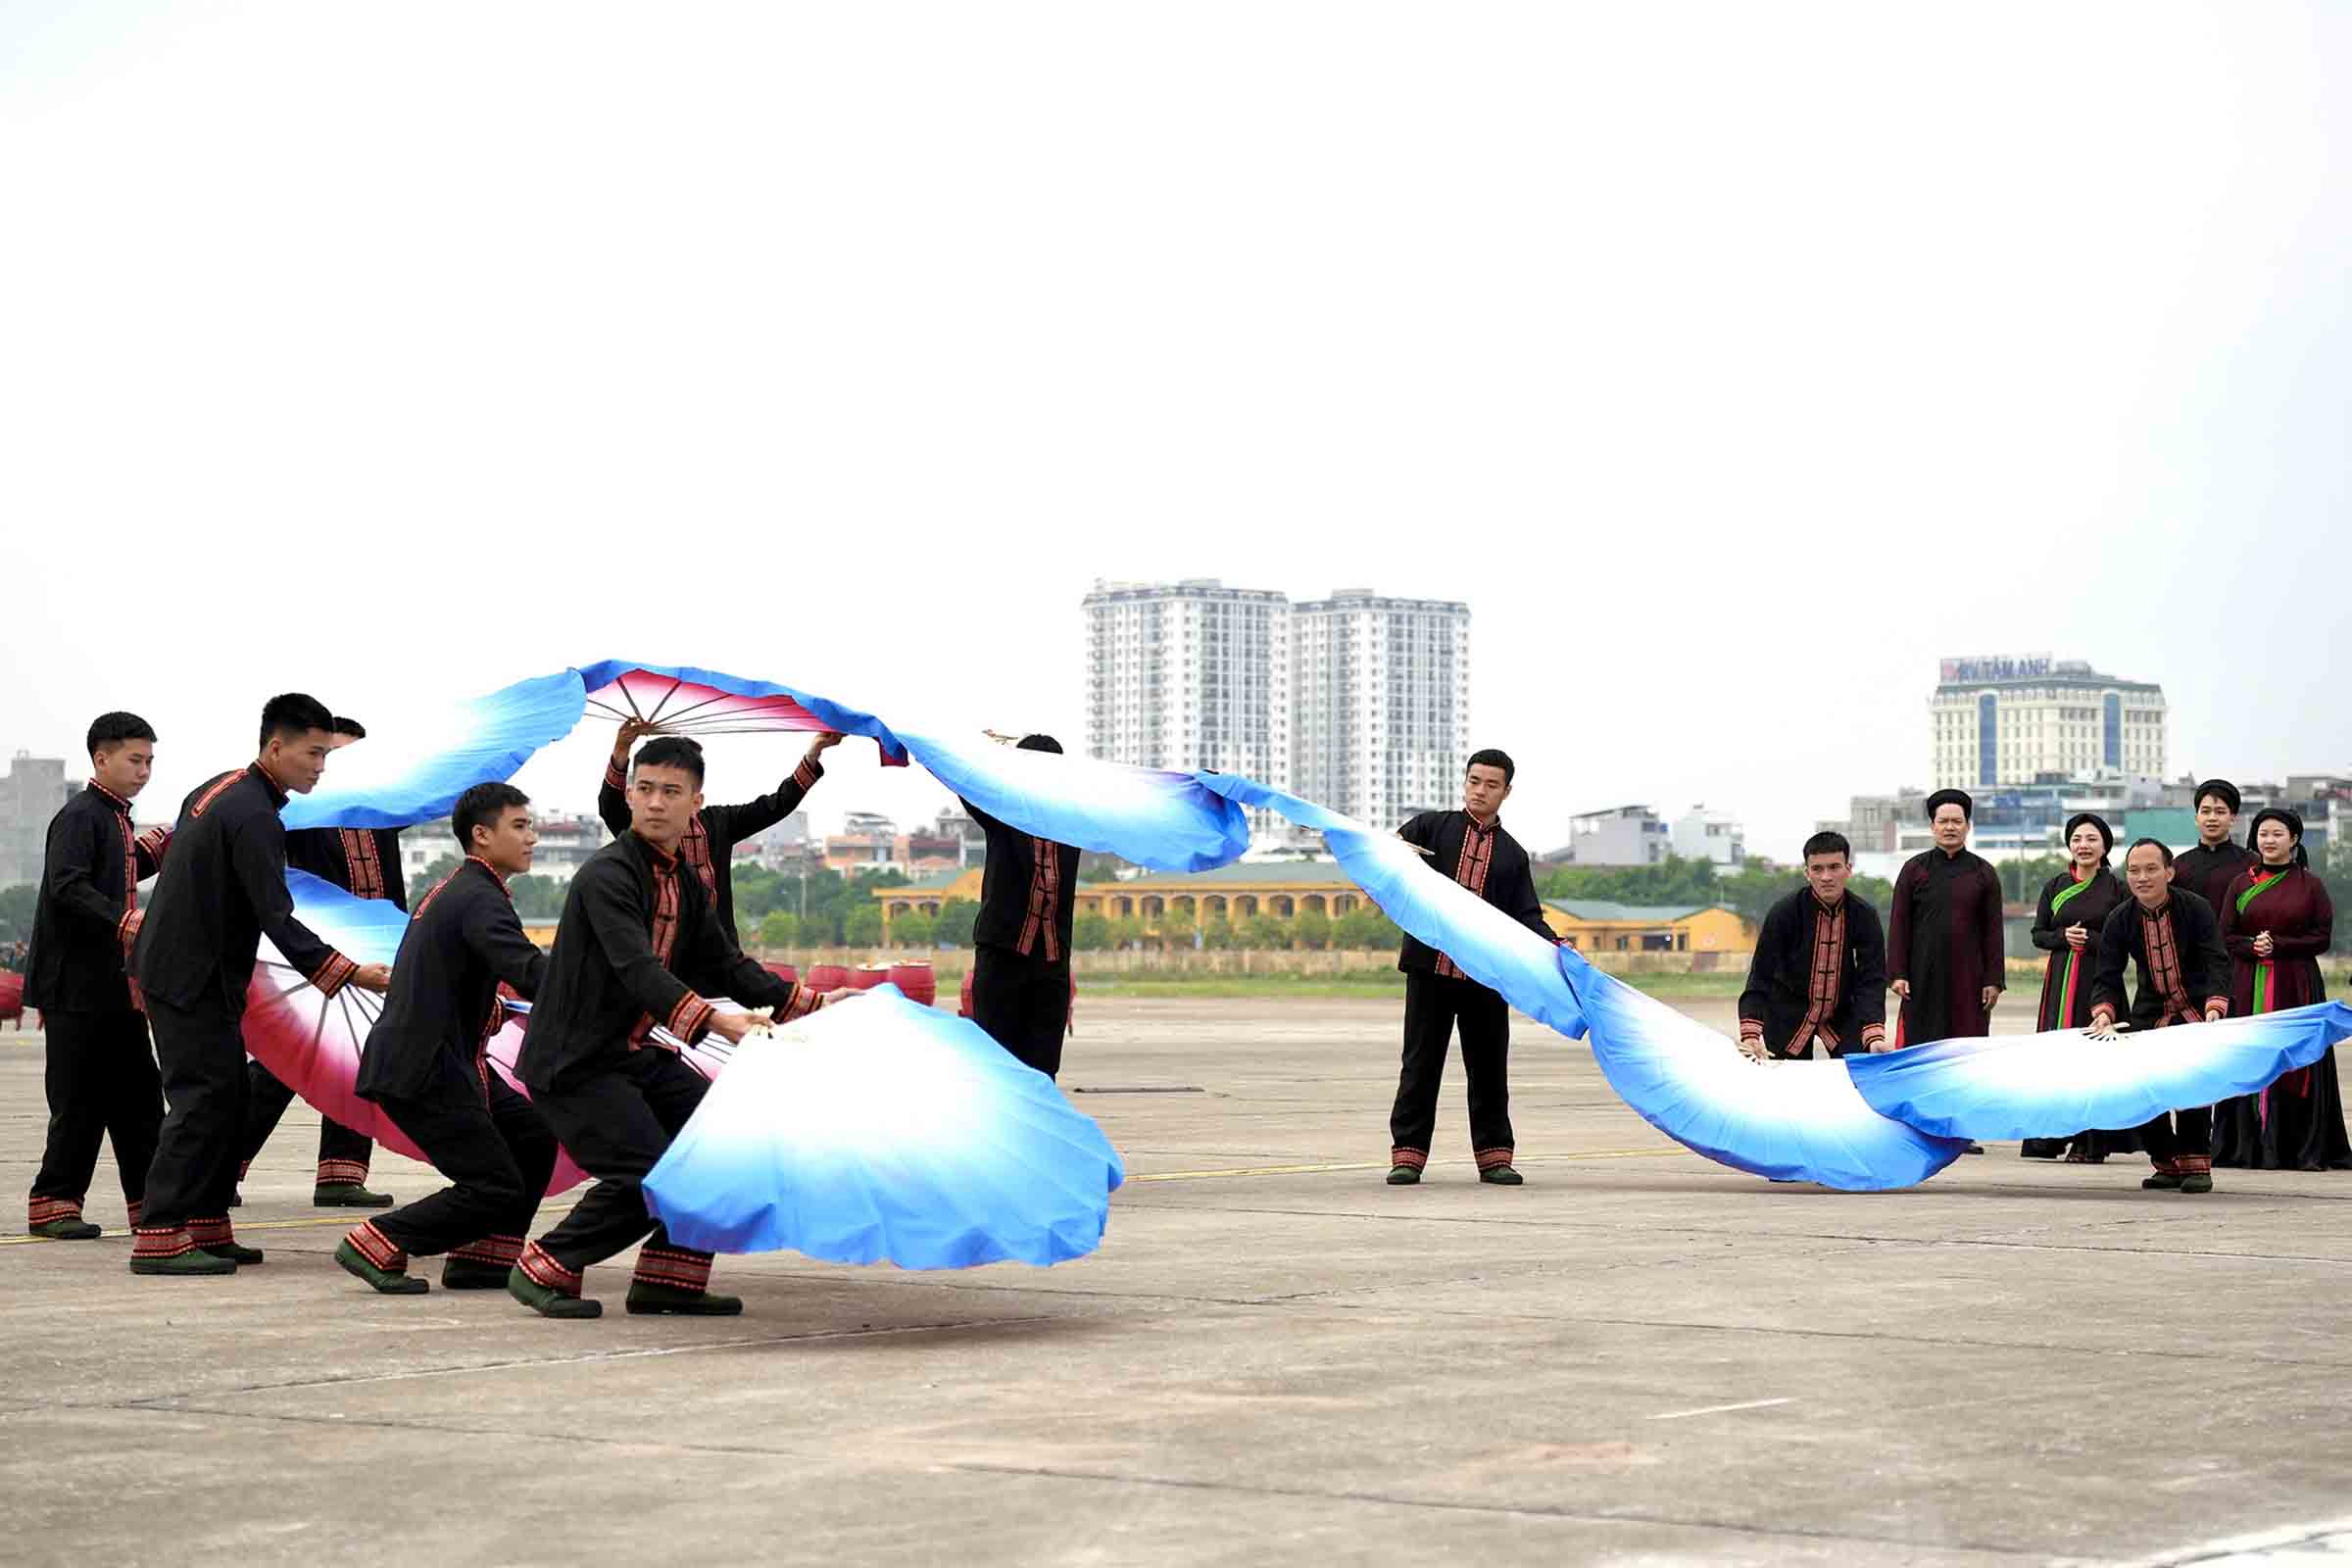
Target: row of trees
{"type": "Point", "coordinates": [1678, 883]}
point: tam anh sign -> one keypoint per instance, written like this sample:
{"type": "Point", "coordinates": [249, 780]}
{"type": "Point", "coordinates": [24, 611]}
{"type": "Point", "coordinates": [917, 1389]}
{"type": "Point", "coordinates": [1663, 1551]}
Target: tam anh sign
{"type": "Point", "coordinates": [1962, 671]}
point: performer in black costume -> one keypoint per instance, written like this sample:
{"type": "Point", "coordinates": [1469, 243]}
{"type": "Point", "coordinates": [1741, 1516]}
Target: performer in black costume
{"type": "Point", "coordinates": [1820, 967]}
{"type": "Point", "coordinates": [2183, 978]}
{"type": "Point", "coordinates": [425, 1064]}
{"type": "Point", "coordinates": [1471, 847]}
{"type": "Point", "coordinates": [1021, 936]}
{"type": "Point", "coordinates": [636, 947]}
{"type": "Point", "coordinates": [223, 887]}
{"type": "Point", "coordinates": [100, 1071]}
{"type": "Point", "coordinates": [364, 862]}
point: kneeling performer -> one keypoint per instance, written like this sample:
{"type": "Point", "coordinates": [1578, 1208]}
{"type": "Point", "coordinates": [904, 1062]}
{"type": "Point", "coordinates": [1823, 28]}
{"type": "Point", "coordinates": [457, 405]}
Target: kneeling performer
{"type": "Point", "coordinates": [425, 1064]}
{"type": "Point", "coordinates": [636, 947]}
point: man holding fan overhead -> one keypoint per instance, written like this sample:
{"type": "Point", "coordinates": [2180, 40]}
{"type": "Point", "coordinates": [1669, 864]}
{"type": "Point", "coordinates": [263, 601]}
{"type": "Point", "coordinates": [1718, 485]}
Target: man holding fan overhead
{"type": "Point", "coordinates": [637, 950]}
{"type": "Point", "coordinates": [709, 845]}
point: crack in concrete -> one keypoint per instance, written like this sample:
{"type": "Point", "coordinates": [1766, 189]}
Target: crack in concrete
{"type": "Point", "coordinates": [1515, 1510]}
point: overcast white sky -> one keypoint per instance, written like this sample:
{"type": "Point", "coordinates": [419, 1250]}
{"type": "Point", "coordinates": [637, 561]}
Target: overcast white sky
{"type": "Point", "coordinates": [1733, 361]}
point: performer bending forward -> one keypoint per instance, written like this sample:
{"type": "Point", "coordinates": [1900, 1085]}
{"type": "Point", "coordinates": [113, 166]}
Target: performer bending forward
{"type": "Point", "coordinates": [637, 945]}
{"type": "Point", "coordinates": [364, 862]}
{"type": "Point", "coordinates": [223, 887]}
{"type": "Point", "coordinates": [425, 1064]}
{"type": "Point", "coordinates": [2183, 978]}
{"type": "Point", "coordinates": [1471, 847]}
{"type": "Point", "coordinates": [1820, 969]}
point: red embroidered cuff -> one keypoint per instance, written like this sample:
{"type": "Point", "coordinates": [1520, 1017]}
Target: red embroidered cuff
{"type": "Point", "coordinates": [1874, 1033]}
{"type": "Point", "coordinates": [1751, 1028]}
{"type": "Point", "coordinates": [807, 774]}
{"type": "Point", "coordinates": [2101, 1016]}
{"type": "Point", "coordinates": [2221, 1002]}
{"type": "Point", "coordinates": [800, 1005]}
{"type": "Point", "coordinates": [616, 777]}
{"type": "Point", "coordinates": [155, 840]}
{"type": "Point", "coordinates": [332, 973]}
{"type": "Point", "coordinates": [690, 1018]}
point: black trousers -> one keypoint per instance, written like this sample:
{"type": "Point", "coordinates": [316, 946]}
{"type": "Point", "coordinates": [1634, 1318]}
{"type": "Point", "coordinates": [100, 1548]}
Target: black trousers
{"type": "Point", "coordinates": [340, 1149]}
{"type": "Point", "coordinates": [617, 1125]}
{"type": "Point", "coordinates": [1024, 1004]}
{"type": "Point", "coordinates": [1434, 1005]}
{"type": "Point", "coordinates": [2180, 1140]}
{"type": "Point", "coordinates": [496, 1157]}
{"type": "Point", "coordinates": [101, 1083]}
{"type": "Point", "coordinates": [202, 1054]}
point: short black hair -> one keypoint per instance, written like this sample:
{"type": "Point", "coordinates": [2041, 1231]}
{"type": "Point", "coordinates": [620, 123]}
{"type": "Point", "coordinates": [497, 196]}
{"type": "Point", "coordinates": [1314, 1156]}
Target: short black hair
{"type": "Point", "coordinates": [1039, 742]}
{"type": "Point", "coordinates": [2221, 790]}
{"type": "Point", "coordinates": [112, 730]}
{"type": "Point", "coordinates": [351, 727]}
{"type": "Point", "coordinates": [293, 714]}
{"type": "Point", "coordinates": [1491, 757]}
{"type": "Point", "coordinates": [2158, 845]}
{"type": "Point", "coordinates": [1826, 842]}
{"type": "Point", "coordinates": [481, 807]}
{"type": "Point", "coordinates": [673, 751]}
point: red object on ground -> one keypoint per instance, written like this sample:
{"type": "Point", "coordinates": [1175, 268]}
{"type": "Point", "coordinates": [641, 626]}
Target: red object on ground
{"type": "Point", "coordinates": [12, 997]}
{"type": "Point", "coordinates": [782, 971]}
{"type": "Point", "coordinates": [919, 981]}
{"type": "Point", "coordinates": [823, 977]}
{"type": "Point", "coordinates": [866, 976]}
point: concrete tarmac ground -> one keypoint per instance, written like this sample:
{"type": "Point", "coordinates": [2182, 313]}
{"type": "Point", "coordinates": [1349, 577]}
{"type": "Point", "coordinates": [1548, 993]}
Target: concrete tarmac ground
{"type": "Point", "coordinates": [1639, 1356]}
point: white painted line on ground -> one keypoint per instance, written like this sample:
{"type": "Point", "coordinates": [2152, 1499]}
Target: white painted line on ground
{"type": "Point", "coordinates": [1718, 1410]}
{"type": "Point", "coordinates": [2290, 1543]}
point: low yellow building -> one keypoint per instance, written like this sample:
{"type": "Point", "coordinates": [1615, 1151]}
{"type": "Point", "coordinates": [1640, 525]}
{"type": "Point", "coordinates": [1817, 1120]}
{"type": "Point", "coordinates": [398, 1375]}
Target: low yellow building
{"type": "Point", "coordinates": [1595, 925]}
{"type": "Point", "coordinates": [1283, 889]}
{"type": "Point", "coordinates": [924, 896]}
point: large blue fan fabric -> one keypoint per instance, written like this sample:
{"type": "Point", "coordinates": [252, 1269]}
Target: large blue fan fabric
{"type": "Point", "coordinates": [412, 766]}
{"type": "Point", "coordinates": [2056, 1084]}
{"type": "Point", "coordinates": [1487, 944]}
{"type": "Point", "coordinates": [1795, 1120]}
{"type": "Point", "coordinates": [880, 1131]}
{"type": "Point", "coordinates": [363, 930]}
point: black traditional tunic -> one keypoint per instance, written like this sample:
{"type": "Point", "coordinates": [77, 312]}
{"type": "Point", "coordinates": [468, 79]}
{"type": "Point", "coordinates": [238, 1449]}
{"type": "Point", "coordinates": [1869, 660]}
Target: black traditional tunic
{"type": "Point", "coordinates": [100, 1073]}
{"type": "Point", "coordinates": [444, 1006]}
{"type": "Point", "coordinates": [2208, 872]}
{"type": "Point", "coordinates": [222, 889]}
{"type": "Point", "coordinates": [711, 834]}
{"type": "Point", "coordinates": [2068, 901]}
{"type": "Point", "coordinates": [2298, 1122]}
{"type": "Point", "coordinates": [1021, 942]}
{"type": "Point", "coordinates": [89, 893]}
{"type": "Point", "coordinates": [1945, 936]}
{"type": "Point", "coordinates": [1486, 860]}
{"type": "Point", "coordinates": [1819, 971]}
{"type": "Point", "coordinates": [2183, 974]}
{"type": "Point", "coordinates": [637, 946]}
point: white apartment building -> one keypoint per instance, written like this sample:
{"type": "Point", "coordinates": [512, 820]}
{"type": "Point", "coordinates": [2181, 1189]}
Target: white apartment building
{"type": "Point", "coordinates": [1189, 674]}
{"type": "Point", "coordinates": [1381, 687]}
{"type": "Point", "coordinates": [2013, 721]}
